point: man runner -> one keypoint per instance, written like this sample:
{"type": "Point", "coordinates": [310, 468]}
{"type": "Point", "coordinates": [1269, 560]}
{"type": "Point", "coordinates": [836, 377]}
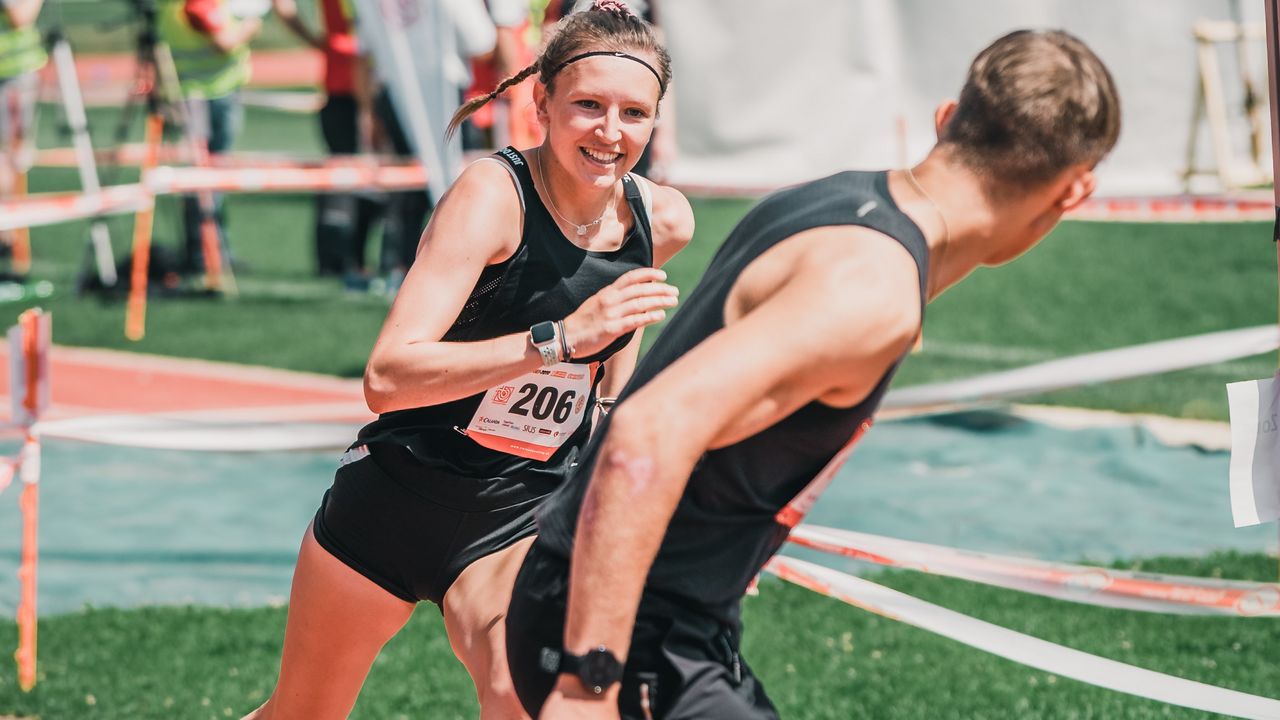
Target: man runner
{"type": "Point", "coordinates": [778, 357]}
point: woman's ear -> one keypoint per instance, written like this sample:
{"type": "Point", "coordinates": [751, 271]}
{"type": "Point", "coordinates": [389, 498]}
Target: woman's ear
{"type": "Point", "coordinates": [540, 104]}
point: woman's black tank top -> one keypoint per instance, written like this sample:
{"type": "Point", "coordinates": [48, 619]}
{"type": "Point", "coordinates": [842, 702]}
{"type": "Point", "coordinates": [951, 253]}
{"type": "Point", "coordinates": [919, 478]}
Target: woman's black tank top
{"type": "Point", "coordinates": [547, 278]}
{"type": "Point", "coordinates": [723, 529]}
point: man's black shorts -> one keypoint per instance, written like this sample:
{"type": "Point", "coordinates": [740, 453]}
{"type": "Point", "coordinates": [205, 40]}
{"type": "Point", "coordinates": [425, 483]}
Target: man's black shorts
{"type": "Point", "coordinates": [685, 664]}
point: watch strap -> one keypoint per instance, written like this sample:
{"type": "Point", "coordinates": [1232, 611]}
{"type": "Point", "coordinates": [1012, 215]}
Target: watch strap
{"type": "Point", "coordinates": [550, 349]}
{"type": "Point", "coordinates": [598, 669]}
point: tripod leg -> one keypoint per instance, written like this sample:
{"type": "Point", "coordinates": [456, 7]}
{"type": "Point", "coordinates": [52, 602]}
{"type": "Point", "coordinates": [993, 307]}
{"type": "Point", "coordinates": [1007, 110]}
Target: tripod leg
{"type": "Point", "coordinates": [73, 105]}
{"type": "Point", "coordinates": [218, 275]}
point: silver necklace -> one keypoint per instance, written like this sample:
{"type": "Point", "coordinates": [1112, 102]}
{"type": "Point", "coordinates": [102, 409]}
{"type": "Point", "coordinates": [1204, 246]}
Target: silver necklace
{"type": "Point", "coordinates": [579, 229]}
{"type": "Point", "coordinates": [946, 231]}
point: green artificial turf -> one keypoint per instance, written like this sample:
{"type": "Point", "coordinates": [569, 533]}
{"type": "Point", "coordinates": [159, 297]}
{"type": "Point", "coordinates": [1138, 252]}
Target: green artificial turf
{"type": "Point", "coordinates": [820, 659]}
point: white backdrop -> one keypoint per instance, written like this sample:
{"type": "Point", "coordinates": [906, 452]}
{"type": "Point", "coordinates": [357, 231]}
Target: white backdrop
{"type": "Point", "coordinates": [781, 91]}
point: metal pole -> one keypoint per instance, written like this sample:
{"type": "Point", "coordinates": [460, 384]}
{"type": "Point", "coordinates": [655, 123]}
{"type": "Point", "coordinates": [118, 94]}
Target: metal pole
{"type": "Point", "coordinates": [1273, 91]}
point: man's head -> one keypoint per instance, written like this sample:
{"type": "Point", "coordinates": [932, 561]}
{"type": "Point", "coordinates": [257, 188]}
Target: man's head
{"type": "Point", "coordinates": [1037, 112]}
{"type": "Point", "coordinates": [1034, 104]}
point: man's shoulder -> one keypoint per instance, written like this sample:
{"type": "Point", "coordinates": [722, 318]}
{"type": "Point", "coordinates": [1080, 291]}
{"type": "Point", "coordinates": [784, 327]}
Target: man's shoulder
{"type": "Point", "coordinates": [832, 193]}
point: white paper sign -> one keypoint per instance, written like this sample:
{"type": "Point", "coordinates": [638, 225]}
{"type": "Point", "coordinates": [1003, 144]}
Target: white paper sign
{"type": "Point", "coordinates": [1255, 451]}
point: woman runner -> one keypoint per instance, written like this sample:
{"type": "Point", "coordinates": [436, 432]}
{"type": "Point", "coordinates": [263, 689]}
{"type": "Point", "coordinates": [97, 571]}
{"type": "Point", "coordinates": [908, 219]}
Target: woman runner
{"type": "Point", "coordinates": [522, 306]}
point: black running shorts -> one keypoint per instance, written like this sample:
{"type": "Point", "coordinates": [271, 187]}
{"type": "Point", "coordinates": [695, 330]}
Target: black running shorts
{"type": "Point", "coordinates": [410, 533]}
{"type": "Point", "coordinates": [682, 664]}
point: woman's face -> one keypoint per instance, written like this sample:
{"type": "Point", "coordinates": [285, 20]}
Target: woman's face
{"type": "Point", "coordinates": [599, 118]}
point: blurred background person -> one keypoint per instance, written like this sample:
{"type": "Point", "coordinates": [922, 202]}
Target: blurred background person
{"type": "Point", "coordinates": [510, 119]}
{"type": "Point", "coordinates": [343, 220]}
{"type": "Point", "coordinates": [210, 48]}
{"type": "Point", "coordinates": [471, 35]}
{"type": "Point", "coordinates": [21, 57]}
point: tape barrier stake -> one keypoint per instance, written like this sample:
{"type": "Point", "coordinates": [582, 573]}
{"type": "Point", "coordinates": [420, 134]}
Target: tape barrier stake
{"type": "Point", "coordinates": [135, 317]}
{"type": "Point", "coordinates": [1020, 648]}
{"type": "Point", "coordinates": [32, 338]}
{"type": "Point", "coordinates": [29, 502]}
{"type": "Point", "coordinates": [21, 247]}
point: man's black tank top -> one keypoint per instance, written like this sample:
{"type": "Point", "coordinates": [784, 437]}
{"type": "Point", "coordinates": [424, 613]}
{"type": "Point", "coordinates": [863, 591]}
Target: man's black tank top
{"type": "Point", "coordinates": [546, 278]}
{"type": "Point", "coordinates": [723, 529]}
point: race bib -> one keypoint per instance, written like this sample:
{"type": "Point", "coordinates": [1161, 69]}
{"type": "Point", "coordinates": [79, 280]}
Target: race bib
{"type": "Point", "coordinates": [534, 414]}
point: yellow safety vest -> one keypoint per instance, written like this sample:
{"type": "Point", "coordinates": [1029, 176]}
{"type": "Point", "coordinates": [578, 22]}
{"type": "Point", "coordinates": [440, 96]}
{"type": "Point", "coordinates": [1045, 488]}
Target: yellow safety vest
{"type": "Point", "coordinates": [21, 50]}
{"type": "Point", "coordinates": [203, 69]}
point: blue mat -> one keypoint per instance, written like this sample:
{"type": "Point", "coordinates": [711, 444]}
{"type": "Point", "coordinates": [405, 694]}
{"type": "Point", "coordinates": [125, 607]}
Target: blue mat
{"type": "Point", "coordinates": [130, 527]}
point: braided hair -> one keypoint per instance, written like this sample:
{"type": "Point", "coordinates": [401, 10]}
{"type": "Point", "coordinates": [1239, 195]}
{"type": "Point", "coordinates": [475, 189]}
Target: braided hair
{"type": "Point", "coordinates": [607, 25]}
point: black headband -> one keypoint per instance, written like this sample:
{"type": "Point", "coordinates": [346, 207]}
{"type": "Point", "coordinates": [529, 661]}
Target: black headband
{"type": "Point", "coordinates": [611, 53]}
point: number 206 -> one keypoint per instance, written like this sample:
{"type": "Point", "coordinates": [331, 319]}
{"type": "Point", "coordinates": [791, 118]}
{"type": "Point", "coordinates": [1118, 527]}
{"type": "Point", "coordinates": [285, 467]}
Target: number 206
{"type": "Point", "coordinates": [547, 403]}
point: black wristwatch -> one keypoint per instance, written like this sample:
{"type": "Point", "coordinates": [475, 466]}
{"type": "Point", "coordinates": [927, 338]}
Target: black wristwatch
{"type": "Point", "coordinates": [598, 669]}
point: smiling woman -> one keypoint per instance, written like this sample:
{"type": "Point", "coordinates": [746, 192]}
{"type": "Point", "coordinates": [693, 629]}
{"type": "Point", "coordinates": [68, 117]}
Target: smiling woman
{"type": "Point", "coordinates": [522, 307]}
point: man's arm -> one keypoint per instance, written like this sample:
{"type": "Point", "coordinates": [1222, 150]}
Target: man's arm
{"type": "Point", "coordinates": [22, 13]}
{"type": "Point", "coordinates": [287, 11]}
{"type": "Point", "coordinates": [835, 325]}
{"type": "Point", "coordinates": [224, 31]}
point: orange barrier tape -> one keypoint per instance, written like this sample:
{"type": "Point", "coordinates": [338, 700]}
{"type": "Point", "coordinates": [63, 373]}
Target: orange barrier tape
{"type": "Point", "coordinates": [1103, 587]}
{"type": "Point", "coordinates": [336, 175]}
{"type": "Point", "coordinates": [1024, 649]}
{"type": "Point", "coordinates": [130, 154]}
{"type": "Point", "coordinates": [331, 176]}
{"type": "Point", "coordinates": [1251, 207]}
{"type": "Point", "coordinates": [1177, 208]}
{"type": "Point", "coordinates": [135, 153]}
{"type": "Point", "coordinates": [54, 208]}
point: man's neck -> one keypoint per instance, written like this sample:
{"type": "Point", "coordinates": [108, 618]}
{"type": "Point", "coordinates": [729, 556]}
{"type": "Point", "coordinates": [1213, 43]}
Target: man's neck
{"type": "Point", "coordinates": [963, 225]}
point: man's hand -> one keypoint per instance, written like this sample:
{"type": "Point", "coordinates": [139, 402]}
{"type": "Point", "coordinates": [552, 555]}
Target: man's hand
{"type": "Point", "coordinates": [570, 701]}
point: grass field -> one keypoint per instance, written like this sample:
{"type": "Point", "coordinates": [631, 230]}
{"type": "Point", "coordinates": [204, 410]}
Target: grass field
{"type": "Point", "coordinates": [1089, 287]}
{"type": "Point", "coordinates": [820, 660]}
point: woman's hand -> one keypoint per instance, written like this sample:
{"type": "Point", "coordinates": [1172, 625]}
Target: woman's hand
{"type": "Point", "coordinates": [638, 298]}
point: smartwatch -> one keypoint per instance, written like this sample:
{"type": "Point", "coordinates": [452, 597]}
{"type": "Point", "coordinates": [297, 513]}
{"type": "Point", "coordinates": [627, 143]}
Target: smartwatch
{"type": "Point", "coordinates": [597, 669]}
{"type": "Point", "coordinates": [543, 337]}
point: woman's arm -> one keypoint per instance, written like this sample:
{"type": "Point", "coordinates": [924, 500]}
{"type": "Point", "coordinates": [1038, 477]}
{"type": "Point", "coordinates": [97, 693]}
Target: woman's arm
{"type": "Point", "coordinates": [672, 228]}
{"type": "Point", "coordinates": [478, 223]}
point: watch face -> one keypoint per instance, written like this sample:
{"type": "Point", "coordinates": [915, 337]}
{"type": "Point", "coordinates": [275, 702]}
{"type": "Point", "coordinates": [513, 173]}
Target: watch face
{"type": "Point", "coordinates": [600, 668]}
{"type": "Point", "coordinates": [543, 332]}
